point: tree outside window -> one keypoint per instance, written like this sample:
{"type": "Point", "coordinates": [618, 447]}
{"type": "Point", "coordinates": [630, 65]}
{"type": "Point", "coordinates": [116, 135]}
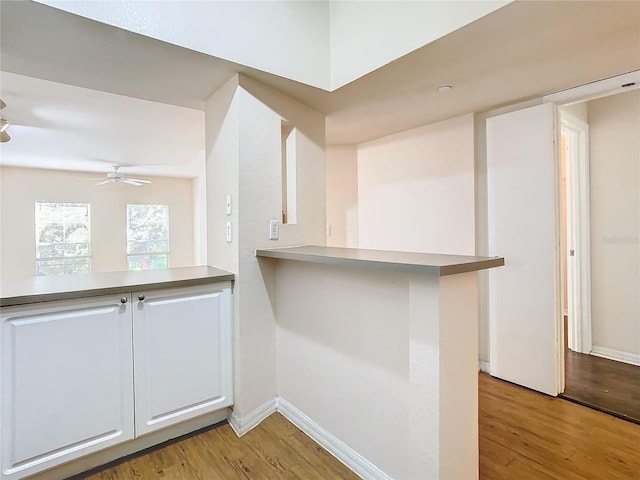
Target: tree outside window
{"type": "Point", "coordinates": [63, 243]}
{"type": "Point", "coordinates": [147, 236]}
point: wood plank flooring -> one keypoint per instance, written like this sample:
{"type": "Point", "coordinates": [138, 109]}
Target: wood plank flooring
{"type": "Point", "coordinates": [523, 435]}
{"type": "Point", "coordinates": [607, 385]}
{"type": "Point", "coordinates": [275, 449]}
{"type": "Point", "coordinates": [528, 435]}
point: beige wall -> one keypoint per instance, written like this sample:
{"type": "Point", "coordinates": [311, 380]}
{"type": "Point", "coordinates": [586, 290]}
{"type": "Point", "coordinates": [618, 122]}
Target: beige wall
{"type": "Point", "coordinates": [342, 196]}
{"type": "Point", "coordinates": [385, 362]}
{"type": "Point", "coordinates": [22, 187]}
{"type": "Point", "coordinates": [615, 221]}
{"type": "Point", "coordinates": [416, 189]}
{"type": "Point", "coordinates": [243, 136]}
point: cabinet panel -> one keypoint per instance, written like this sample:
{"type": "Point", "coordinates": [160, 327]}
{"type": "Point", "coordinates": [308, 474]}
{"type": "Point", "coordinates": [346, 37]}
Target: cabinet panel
{"type": "Point", "coordinates": [182, 353]}
{"type": "Point", "coordinates": [66, 382]}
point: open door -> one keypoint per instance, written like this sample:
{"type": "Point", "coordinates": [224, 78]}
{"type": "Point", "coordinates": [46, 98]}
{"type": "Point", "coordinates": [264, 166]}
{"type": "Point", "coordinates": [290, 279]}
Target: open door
{"type": "Point", "coordinates": [524, 295]}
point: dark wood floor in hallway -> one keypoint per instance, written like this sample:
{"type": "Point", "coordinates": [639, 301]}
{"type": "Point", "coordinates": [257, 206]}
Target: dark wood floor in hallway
{"type": "Point", "coordinates": [610, 386]}
{"type": "Point", "coordinates": [524, 435]}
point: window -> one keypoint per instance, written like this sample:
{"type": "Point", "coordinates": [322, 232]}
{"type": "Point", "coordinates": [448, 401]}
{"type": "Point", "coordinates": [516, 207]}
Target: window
{"type": "Point", "coordinates": [62, 238]}
{"type": "Point", "coordinates": [147, 236]}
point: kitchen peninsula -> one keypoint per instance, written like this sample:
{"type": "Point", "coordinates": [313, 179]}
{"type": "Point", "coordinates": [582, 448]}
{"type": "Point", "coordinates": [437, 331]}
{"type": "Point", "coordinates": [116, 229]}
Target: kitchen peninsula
{"type": "Point", "coordinates": [97, 366]}
{"type": "Point", "coordinates": [381, 349]}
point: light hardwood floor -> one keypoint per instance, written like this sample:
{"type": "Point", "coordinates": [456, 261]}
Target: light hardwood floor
{"type": "Point", "coordinates": [528, 435]}
{"type": "Point", "coordinates": [524, 435]}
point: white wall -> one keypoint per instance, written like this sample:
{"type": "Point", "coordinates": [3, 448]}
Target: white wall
{"type": "Point", "coordinates": [342, 348]}
{"type": "Point", "coordinates": [416, 189]}
{"type": "Point", "coordinates": [386, 362]}
{"type": "Point", "coordinates": [615, 221]}
{"type": "Point", "coordinates": [22, 187]}
{"type": "Point", "coordinates": [326, 44]}
{"type": "Point", "coordinates": [342, 196]}
{"type": "Point", "coordinates": [222, 157]}
{"type": "Point", "coordinates": [243, 130]}
{"type": "Point", "coordinates": [289, 39]}
{"type": "Point", "coordinates": [365, 35]}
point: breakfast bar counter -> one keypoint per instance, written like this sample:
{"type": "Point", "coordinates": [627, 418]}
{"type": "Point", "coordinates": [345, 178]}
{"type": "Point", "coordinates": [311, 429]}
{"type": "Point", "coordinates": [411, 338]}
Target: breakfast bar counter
{"type": "Point", "coordinates": [380, 348]}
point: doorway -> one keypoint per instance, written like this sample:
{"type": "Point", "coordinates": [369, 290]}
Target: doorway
{"type": "Point", "coordinates": [602, 359]}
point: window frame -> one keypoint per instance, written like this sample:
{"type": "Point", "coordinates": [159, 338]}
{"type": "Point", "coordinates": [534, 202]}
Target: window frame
{"type": "Point", "coordinates": [40, 259]}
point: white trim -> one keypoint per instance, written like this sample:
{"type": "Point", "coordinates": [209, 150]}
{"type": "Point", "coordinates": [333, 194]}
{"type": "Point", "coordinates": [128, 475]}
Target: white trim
{"type": "Point", "coordinates": [593, 90]}
{"type": "Point", "coordinates": [332, 444]}
{"type": "Point", "coordinates": [336, 447]}
{"type": "Point", "coordinates": [253, 419]}
{"type": "Point", "coordinates": [617, 355]}
{"type": "Point", "coordinates": [576, 133]}
{"type": "Point", "coordinates": [483, 366]}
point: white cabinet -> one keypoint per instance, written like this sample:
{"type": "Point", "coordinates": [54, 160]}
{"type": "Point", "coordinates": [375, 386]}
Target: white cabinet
{"type": "Point", "coordinates": [181, 337]}
{"type": "Point", "coordinates": [66, 382]}
{"type": "Point", "coordinates": [74, 374]}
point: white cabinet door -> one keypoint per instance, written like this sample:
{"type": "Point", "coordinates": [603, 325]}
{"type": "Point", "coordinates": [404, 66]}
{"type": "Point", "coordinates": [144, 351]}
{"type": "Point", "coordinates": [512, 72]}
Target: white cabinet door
{"type": "Point", "coordinates": [67, 386]}
{"type": "Point", "coordinates": [182, 354]}
{"type": "Point", "coordinates": [523, 224]}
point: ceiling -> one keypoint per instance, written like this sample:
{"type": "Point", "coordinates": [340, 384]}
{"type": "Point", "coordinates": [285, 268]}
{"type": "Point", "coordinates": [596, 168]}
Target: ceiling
{"type": "Point", "coordinates": [521, 51]}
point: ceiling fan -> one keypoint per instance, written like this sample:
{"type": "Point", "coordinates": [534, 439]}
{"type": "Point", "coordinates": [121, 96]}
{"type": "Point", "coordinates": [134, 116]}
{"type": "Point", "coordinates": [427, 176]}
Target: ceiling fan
{"type": "Point", "coordinates": [117, 177]}
{"type": "Point", "coordinates": [4, 136]}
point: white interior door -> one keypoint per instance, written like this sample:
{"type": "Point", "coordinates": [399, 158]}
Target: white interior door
{"type": "Point", "coordinates": [524, 295]}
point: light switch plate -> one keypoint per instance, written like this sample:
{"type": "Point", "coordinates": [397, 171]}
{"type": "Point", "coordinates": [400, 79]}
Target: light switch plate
{"type": "Point", "coordinates": [274, 229]}
{"type": "Point", "coordinates": [229, 231]}
{"type": "Point", "coordinates": [227, 207]}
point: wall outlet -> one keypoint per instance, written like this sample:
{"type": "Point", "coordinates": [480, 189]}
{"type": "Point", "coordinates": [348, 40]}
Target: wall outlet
{"type": "Point", "coordinates": [274, 229]}
{"type": "Point", "coordinates": [229, 231]}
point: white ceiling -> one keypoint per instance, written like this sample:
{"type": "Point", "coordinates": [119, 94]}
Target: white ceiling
{"type": "Point", "coordinates": [58, 126]}
{"type": "Point", "coordinates": [522, 51]}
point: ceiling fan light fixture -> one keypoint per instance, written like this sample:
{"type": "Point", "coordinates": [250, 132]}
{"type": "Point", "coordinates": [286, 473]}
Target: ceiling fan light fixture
{"type": "Point", "coordinates": [117, 177]}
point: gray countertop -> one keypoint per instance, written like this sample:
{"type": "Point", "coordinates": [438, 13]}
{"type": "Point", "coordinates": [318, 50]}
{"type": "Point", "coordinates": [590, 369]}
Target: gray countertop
{"type": "Point", "coordinates": [407, 262]}
{"type": "Point", "coordinates": [20, 291]}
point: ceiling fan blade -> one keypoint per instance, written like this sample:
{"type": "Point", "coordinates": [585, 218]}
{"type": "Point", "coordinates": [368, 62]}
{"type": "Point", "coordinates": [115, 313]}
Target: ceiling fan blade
{"type": "Point", "coordinates": [138, 180]}
{"type": "Point", "coordinates": [102, 182]}
{"type": "Point", "coordinates": [131, 182]}
{"type": "Point", "coordinates": [2, 104]}
{"type": "Point", "coordinates": [4, 137]}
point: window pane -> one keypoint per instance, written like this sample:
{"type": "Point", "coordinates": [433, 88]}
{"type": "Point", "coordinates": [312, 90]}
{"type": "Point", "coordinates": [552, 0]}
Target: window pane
{"type": "Point", "coordinates": [51, 233]}
{"type": "Point", "coordinates": [63, 267]}
{"type": "Point", "coordinates": [136, 246]}
{"type": "Point", "coordinates": [77, 232]}
{"type": "Point", "coordinates": [148, 262]}
{"type": "Point", "coordinates": [46, 250]}
{"type": "Point", "coordinates": [62, 238]}
{"type": "Point", "coordinates": [158, 246]}
{"type": "Point", "coordinates": [76, 250]}
{"type": "Point", "coordinates": [147, 236]}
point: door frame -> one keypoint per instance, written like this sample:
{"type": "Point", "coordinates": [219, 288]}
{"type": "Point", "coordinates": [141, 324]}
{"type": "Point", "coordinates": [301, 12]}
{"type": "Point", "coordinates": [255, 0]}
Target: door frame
{"type": "Point", "coordinates": [576, 133]}
{"type": "Point", "coordinates": [591, 91]}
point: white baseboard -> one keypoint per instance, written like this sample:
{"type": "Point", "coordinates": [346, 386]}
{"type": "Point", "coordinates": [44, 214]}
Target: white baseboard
{"type": "Point", "coordinates": [336, 447]}
{"type": "Point", "coordinates": [611, 354]}
{"type": "Point", "coordinates": [483, 366]}
{"type": "Point", "coordinates": [253, 419]}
